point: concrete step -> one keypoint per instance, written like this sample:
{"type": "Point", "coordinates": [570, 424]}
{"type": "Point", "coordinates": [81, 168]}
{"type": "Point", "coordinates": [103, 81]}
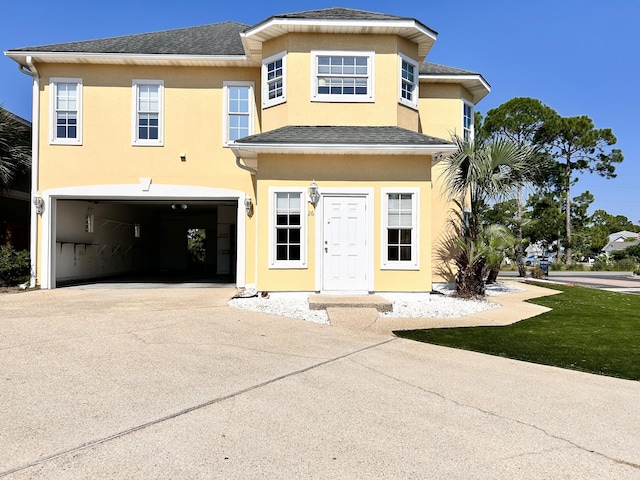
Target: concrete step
{"type": "Point", "coordinates": [322, 302]}
{"type": "Point", "coordinates": [353, 318]}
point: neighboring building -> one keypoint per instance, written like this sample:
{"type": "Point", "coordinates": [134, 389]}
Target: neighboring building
{"type": "Point", "coordinates": [228, 129]}
{"type": "Point", "coordinates": [620, 241]}
{"type": "Point", "coordinates": [14, 205]}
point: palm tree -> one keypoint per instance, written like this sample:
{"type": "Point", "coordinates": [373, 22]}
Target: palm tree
{"type": "Point", "coordinates": [476, 175]}
{"type": "Point", "coordinates": [15, 149]}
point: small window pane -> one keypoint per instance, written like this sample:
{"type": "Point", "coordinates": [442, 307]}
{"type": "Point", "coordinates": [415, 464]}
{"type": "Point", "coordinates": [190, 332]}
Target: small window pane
{"type": "Point", "coordinates": [281, 252]}
{"type": "Point", "coordinates": [294, 252]}
{"type": "Point", "coordinates": [405, 253]}
{"type": "Point", "coordinates": [294, 202]}
{"type": "Point", "coordinates": [294, 235]}
{"type": "Point", "coordinates": [282, 201]}
{"type": "Point", "coordinates": [294, 219]}
{"type": "Point", "coordinates": [393, 253]}
{"type": "Point", "coordinates": [281, 235]}
{"type": "Point", "coordinates": [405, 237]}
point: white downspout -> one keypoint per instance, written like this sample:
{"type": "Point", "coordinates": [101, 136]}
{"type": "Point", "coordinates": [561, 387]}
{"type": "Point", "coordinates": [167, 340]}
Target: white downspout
{"type": "Point", "coordinates": [35, 135]}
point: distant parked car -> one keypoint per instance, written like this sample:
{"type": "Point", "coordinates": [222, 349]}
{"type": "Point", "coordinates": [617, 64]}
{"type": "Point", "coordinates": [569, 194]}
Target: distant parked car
{"type": "Point", "coordinates": [536, 259]}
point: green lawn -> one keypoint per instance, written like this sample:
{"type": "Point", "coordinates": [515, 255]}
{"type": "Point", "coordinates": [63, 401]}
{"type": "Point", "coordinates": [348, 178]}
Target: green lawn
{"type": "Point", "coordinates": [588, 330]}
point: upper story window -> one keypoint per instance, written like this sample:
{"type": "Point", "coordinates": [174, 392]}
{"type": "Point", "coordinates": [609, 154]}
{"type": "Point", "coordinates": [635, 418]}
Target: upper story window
{"type": "Point", "coordinates": [400, 229]}
{"type": "Point", "coordinates": [66, 111]}
{"type": "Point", "coordinates": [148, 115]}
{"type": "Point", "coordinates": [342, 76]}
{"type": "Point", "coordinates": [408, 82]}
{"type": "Point", "coordinates": [238, 110]}
{"type": "Point", "coordinates": [274, 89]}
{"type": "Point", "coordinates": [467, 120]}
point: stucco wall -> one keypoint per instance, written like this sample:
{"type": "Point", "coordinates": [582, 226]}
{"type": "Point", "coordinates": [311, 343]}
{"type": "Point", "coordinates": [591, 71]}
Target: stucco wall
{"type": "Point", "coordinates": [345, 172]}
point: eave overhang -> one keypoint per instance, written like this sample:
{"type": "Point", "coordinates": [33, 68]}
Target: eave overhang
{"type": "Point", "coordinates": [252, 150]}
{"type": "Point", "coordinates": [474, 83]}
{"type": "Point", "coordinates": [132, 59]}
{"type": "Point", "coordinates": [411, 29]}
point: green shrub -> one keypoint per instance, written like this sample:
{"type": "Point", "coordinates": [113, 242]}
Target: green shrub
{"type": "Point", "coordinates": [601, 265]}
{"type": "Point", "coordinates": [14, 266]}
{"type": "Point", "coordinates": [625, 264]}
{"type": "Point", "coordinates": [537, 272]}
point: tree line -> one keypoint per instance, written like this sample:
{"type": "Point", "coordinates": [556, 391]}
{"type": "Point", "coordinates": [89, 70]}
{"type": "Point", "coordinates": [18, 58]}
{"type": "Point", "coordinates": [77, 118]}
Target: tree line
{"type": "Point", "coordinates": [525, 145]}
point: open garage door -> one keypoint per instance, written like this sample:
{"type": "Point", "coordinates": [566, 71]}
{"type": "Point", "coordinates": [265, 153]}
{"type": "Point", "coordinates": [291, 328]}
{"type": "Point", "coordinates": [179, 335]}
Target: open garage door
{"type": "Point", "coordinates": [165, 241]}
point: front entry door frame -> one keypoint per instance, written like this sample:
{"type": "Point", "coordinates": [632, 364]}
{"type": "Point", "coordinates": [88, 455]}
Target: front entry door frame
{"type": "Point", "coordinates": [365, 192]}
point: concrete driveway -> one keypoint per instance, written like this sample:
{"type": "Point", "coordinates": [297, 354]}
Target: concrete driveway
{"type": "Point", "coordinates": [173, 383]}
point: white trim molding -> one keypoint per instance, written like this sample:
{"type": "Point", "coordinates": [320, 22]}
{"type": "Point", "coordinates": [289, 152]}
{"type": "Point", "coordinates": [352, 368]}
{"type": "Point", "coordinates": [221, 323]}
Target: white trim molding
{"type": "Point", "coordinates": [274, 263]}
{"type": "Point", "coordinates": [134, 192]}
{"type": "Point", "coordinates": [54, 86]}
{"type": "Point", "coordinates": [135, 111]}
{"type": "Point", "coordinates": [278, 99]}
{"type": "Point", "coordinates": [467, 130]}
{"type": "Point", "coordinates": [316, 74]}
{"type": "Point", "coordinates": [226, 113]}
{"type": "Point", "coordinates": [411, 102]}
{"type": "Point", "coordinates": [368, 193]}
{"type": "Point", "coordinates": [414, 263]}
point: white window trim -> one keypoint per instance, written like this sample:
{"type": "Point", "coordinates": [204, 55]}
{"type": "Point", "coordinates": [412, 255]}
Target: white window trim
{"type": "Point", "coordinates": [472, 127]}
{"type": "Point", "coordinates": [266, 101]}
{"type": "Point", "coordinates": [414, 94]}
{"type": "Point", "coordinates": [53, 88]}
{"type": "Point", "coordinates": [134, 117]}
{"type": "Point", "coordinates": [304, 241]}
{"type": "Point", "coordinates": [225, 108]}
{"type": "Point", "coordinates": [369, 98]}
{"type": "Point", "coordinates": [414, 264]}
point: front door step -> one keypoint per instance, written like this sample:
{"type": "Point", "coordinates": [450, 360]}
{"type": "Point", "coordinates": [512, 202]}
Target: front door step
{"type": "Point", "coordinates": [322, 302]}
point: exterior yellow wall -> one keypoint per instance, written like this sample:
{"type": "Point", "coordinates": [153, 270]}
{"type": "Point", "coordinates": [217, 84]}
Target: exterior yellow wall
{"type": "Point", "coordinates": [193, 124]}
{"type": "Point", "coordinates": [441, 116]}
{"type": "Point", "coordinates": [299, 109]}
{"type": "Point", "coordinates": [346, 171]}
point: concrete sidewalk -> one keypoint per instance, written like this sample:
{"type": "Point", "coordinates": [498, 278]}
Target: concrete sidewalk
{"type": "Point", "coordinates": [512, 308]}
{"type": "Point", "coordinates": [173, 383]}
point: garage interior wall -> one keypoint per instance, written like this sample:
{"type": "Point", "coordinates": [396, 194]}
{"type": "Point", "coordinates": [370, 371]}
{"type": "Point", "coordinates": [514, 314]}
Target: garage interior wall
{"type": "Point", "coordinates": [98, 239]}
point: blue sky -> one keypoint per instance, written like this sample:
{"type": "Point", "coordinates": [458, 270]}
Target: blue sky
{"type": "Point", "coordinates": [577, 56]}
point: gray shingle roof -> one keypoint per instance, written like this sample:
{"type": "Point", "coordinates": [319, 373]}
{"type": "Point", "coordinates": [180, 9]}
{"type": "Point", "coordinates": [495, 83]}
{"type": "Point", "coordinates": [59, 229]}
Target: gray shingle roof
{"type": "Point", "coordinates": [339, 13]}
{"type": "Point", "coordinates": [214, 39]}
{"type": "Point", "coordinates": [428, 68]}
{"type": "Point", "coordinates": [342, 135]}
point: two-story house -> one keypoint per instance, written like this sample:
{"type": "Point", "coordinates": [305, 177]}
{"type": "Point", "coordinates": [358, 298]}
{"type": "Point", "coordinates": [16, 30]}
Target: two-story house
{"type": "Point", "coordinates": [304, 150]}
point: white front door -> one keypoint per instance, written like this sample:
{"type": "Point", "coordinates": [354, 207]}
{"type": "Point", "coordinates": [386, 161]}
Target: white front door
{"type": "Point", "coordinates": [344, 243]}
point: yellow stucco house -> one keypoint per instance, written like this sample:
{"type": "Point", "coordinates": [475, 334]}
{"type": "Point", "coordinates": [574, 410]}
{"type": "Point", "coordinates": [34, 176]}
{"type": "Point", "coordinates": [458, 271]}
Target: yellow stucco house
{"type": "Point", "coordinates": [304, 150]}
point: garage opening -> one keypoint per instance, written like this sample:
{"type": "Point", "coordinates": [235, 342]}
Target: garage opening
{"type": "Point", "coordinates": [145, 241]}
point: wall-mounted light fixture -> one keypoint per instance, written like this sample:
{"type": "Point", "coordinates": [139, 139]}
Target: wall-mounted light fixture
{"type": "Point", "coordinates": [136, 230]}
{"type": "Point", "coordinates": [39, 203]}
{"type": "Point", "coordinates": [314, 195]}
{"type": "Point", "coordinates": [183, 157]}
{"type": "Point", "coordinates": [248, 206]}
{"type": "Point", "coordinates": [179, 206]}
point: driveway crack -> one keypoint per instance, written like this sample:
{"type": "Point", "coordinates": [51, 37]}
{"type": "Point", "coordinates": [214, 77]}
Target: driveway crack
{"type": "Point", "coordinates": [233, 395]}
{"type": "Point", "coordinates": [496, 415]}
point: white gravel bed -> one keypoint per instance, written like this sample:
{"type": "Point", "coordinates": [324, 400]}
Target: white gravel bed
{"type": "Point", "coordinates": [296, 305]}
{"type": "Point", "coordinates": [290, 304]}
